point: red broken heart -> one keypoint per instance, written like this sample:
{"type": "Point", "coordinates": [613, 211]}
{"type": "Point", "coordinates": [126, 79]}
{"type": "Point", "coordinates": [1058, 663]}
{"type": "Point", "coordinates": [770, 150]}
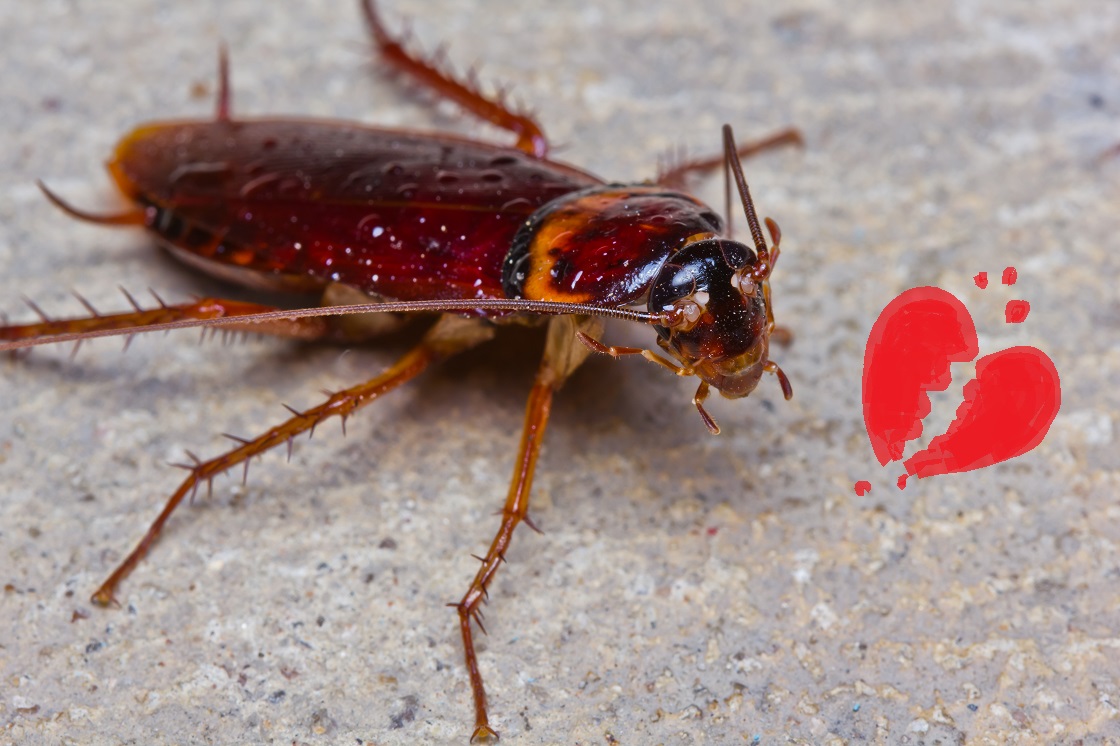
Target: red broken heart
{"type": "Point", "coordinates": [1007, 408]}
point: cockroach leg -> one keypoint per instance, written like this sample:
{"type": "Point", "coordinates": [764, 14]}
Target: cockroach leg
{"type": "Point", "coordinates": [675, 175]}
{"type": "Point", "coordinates": [788, 136]}
{"type": "Point", "coordinates": [450, 335]}
{"type": "Point", "coordinates": [616, 352]}
{"type": "Point", "coordinates": [345, 328]}
{"type": "Point", "coordinates": [596, 346]}
{"type": "Point", "coordinates": [787, 387]}
{"type": "Point", "coordinates": [530, 137]}
{"type": "Point", "coordinates": [781, 335]}
{"type": "Point", "coordinates": [359, 327]}
{"type": "Point", "coordinates": [561, 357]}
{"type": "Point", "coordinates": [698, 399]}
{"type": "Point", "coordinates": [204, 308]}
{"type": "Point", "coordinates": [653, 357]}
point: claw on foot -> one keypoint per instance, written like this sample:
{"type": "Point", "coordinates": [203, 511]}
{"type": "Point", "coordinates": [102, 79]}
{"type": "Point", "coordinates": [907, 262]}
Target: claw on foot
{"type": "Point", "coordinates": [104, 597]}
{"type": "Point", "coordinates": [484, 734]}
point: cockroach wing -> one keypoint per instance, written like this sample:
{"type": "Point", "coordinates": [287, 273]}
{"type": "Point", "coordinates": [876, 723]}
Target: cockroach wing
{"type": "Point", "coordinates": [298, 204]}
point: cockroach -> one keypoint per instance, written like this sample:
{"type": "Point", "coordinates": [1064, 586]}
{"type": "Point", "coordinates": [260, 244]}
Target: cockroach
{"type": "Point", "coordinates": [386, 223]}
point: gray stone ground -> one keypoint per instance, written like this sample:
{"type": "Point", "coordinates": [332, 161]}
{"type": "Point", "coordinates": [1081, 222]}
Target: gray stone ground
{"type": "Point", "coordinates": [687, 589]}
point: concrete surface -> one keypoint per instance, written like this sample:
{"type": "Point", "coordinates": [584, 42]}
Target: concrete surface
{"type": "Point", "coordinates": [687, 589]}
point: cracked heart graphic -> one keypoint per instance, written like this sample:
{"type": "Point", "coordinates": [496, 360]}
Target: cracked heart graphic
{"type": "Point", "coordinates": [1007, 408]}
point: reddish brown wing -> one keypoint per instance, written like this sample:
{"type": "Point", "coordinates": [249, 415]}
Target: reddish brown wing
{"type": "Point", "coordinates": [300, 203]}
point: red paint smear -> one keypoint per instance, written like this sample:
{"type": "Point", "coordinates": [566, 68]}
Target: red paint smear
{"type": "Point", "coordinates": [1007, 411]}
{"type": "Point", "coordinates": [863, 487]}
{"type": "Point", "coordinates": [713, 530]}
{"type": "Point", "coordinates": [981, 280]}
{"type": "Point", "coordinates": [1010, 276]}
{"type": "Point", "coordinates": [908, 353]}
{"type": "Point", "coordinates": [1015, 312]}
{"type": "Point", "coordinates": [902, 482]}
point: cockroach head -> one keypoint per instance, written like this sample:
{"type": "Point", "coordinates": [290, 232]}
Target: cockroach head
{"type": "Point", "coordinates": [716, 293]}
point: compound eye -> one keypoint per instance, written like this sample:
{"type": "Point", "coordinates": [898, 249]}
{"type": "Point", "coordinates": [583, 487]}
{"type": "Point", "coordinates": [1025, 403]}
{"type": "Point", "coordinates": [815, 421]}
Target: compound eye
{"type": "Point", "coordinates": [686, 312]}
{"type": "Point", "coordinates": [743, 281]}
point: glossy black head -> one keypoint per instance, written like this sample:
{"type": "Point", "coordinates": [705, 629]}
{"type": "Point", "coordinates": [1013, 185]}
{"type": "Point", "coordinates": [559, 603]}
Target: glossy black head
{"type": "Point", "coordinates": [717, 292]}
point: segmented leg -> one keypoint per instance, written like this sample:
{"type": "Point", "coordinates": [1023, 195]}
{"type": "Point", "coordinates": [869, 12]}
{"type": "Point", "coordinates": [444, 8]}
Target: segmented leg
{"type": "Point", "coordinates": [530, 137]}
{"type": "Point", "coordinates": [204, 308]}
{"type": "Point", "coordinates": [562, 356]}
{"type": "Point", "coordinates": [617, 352]}
{"type": "Point", "coordinates": [674, 175]}
{"type": "Point", "coordinates": [349, 328]}
{"type": "Point", "coordinates": [450, 335]}
{"type": "Point", "coordinates": [698, 401]}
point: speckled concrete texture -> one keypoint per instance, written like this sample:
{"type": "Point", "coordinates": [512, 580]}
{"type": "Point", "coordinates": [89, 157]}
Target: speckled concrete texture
{"type": "Point", "coordinates": [688, 589]}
